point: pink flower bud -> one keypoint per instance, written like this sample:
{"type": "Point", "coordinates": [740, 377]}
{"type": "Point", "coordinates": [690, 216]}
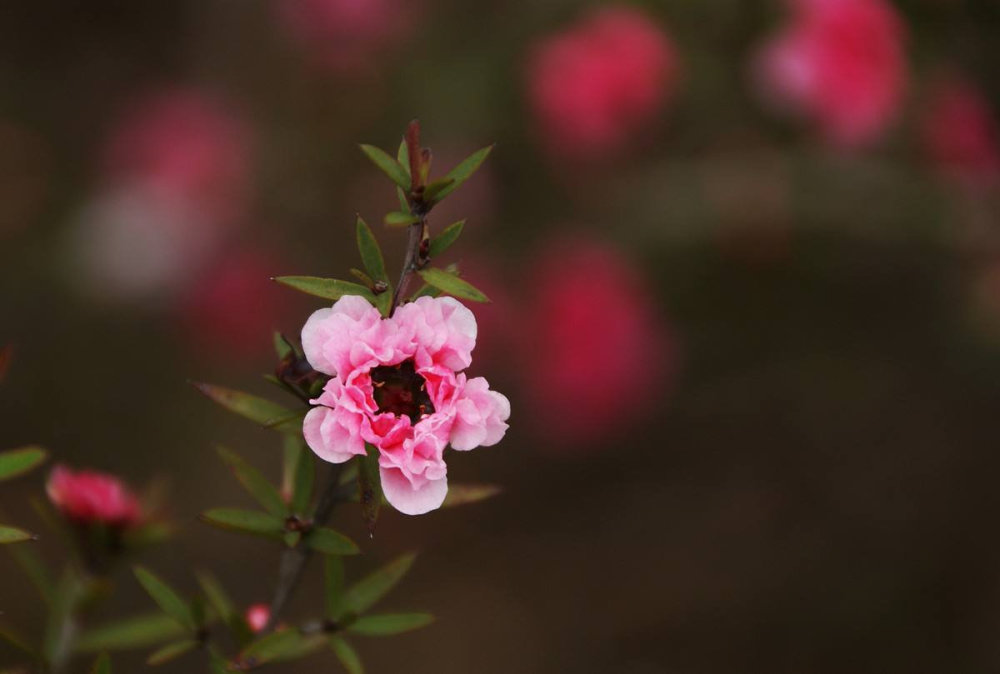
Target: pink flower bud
{"type": "Point", "coordinates": [257, 616]}
{"type": "Point", "coordinates": [90, 497]}
{"type": "Point", "coordinates": [594, 86]}
{"type": "Point", "coordinates": [840, 64]}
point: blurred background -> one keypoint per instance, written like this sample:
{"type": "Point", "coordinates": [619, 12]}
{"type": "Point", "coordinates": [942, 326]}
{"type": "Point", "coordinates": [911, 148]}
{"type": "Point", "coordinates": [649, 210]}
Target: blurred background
{"type": "Point", "coordinates": [745, 263]}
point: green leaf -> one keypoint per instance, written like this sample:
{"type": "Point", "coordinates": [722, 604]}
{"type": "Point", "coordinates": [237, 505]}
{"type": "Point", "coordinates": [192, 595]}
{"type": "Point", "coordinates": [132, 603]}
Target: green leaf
{"type": "Point", "coordinates": [333, 584]}
{"type": "Point", "coordinates": [59, 627]}
{"type": "Point", "coordinates": [371, 253]}
{"type": "Point", "coordinates": [16, 462]}
{"type": "Point", "coordinates": [172, 651]}
{"type": "Point", "coordinates": [271, 647]}
{"type": "Point", "coordinates": [453, 285]}
{"type": "Point", "coordinates": [140, 631]}
{"type": "Point", "coordinates": [369, 487]}
{"type": "Point", "coordinates": [400, 218]}
{"type": "Point", "coordinates": [102, 665]}
{"type": "Point", "coordinates": [389, 623]}
{"type": "Point", "coordinates": [403, 155]}
{"type": "Point", "coordinates": [365, 279]}
{"type": "Point", "coordinates": [223, 606]}
{"type": "Point", "coordinates": [388, 165]}
{"type": "Point", "coordinates": [463, 171]}
{"type": "Point", "coordinates": [254, 482]}
{"type": "Point", "coordinates": [327, 288]}
{"type": "Point", "coordinates": [347, 655]}
{"type": "Point", "coordinates": [461, 494]}
{"type": "Point", "coordinates": [245, 521]}
{"type": "Point", "coordinates": [404, 205]}
{"type": "Point", "coordinates": [36, 571]}
{"type": "Point", "coordinates": [330, 542]}
{"type": "Point", "coordinates": [13, 535]}
{"type": "Point", "coordinates": [254, 408]}
{"type": "Point", "coordinates": [433, 191]}
{"type": "Point", "coordinates": [281, 346]}
{"type": "Point", "coordinates": [305, 479]}
{"type": "Point", "coordinates": [443, 241]}
{"type": "Point", "coordinates": [426, 290]}
{"type": "Point", "coordinates": [292, 447]}
{"type": "Point", "coordinates": [365, 593]}
{"type": "Point", "coordinates": [166, 598]}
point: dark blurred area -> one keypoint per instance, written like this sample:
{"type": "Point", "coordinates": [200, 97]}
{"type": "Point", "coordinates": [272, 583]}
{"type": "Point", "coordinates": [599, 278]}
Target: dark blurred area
{"type": "Point", "coordinates": [745, 264]}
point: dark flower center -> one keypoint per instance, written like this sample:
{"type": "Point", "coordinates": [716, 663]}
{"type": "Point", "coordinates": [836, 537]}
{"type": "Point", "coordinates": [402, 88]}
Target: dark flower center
{"type": "Point", "coordinates": [400, 390]}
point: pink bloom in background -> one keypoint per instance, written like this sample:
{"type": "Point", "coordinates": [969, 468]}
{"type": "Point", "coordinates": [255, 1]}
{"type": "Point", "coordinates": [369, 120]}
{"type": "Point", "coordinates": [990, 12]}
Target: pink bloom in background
{"type": "Point", "coordinates": [596, 357]}
{"type": "Point", "coordinates": [188, 145]}
{"type": "Point", "coordinates": [90, 497]}
{"type": "Point", "coordinates": [257, 617]}
{"type": "Point", "coordinates": [593, 86]}
{"type": "Point", "coordinates": [397, 384]}
{"type": "Point", "coordinates": [176, 182]}
{"type": "Point", "coordinates": [345, 34]}
{"type": "Point", "coordinates": [959, 131]}
{"type": "Point", "coordinates": [840, 63]}
{"type": "Point", "coordinates": [230, 310]}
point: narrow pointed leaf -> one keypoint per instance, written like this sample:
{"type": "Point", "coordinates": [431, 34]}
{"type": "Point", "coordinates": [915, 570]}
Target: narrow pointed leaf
{"type": "Point", "coordinates": [426, 290]}
{"type": "Point", "coordinates": [441, 242]}
{"type": "Point", "coordinates": [281, 346]}
{"type": "Point", "coordinates": [245, 521]}
{"type": "Point", "coordinates": [140, 631]}
{"type": "Point", "coordinates": [36, 570]}
{"type": "Point", "coordinates": [166, 598]}
{"type": "Point", "coordinates": [329, 542]}
{"type": "Point", "coordinates": [434, 190]}
{"type": "Point", "coordinates": [404, 204]}
{"type": "Point", "coordinates": [365, 593]}
{"type": "Point", "coordinates": [388, 166]}
{"type": "Point", "coordinates": [463, 171]}
{"type": "Point", "coordinates": [400, 219]}
{"type": "Point", "coordinates": [453, 285]}
{"type": "Point", "coordinates": [389, 624]}
{"type": "Point", "coordinates": [305, 479]}
{"type": "Point", "coordinates": [14, 462]}
{"type": "Point", "coordinates": [14, 535]}
{"type": "Point", "coordinates": [224, 608]}
{"type": "Point", "coordinates": [371, 253]}
{"type": "Point", "coordinates": [461, 494]}
{"type": "Point", "coordinates": [102, 665]}
{"type": "Point", "coordinates": [292, 447]}
{"type": "Point", "coordinates": [333, 584]}
{"type": "Point", "coordinates": [171, 651]}
{"type": "Point", "coordinates": [365, 279]}
{"type": "Point", "coordinates": [403, 156]}
{"type": "Point", "coordinates": [254, 482]}
{"type": "Point", "coordinates": [59, 629]}
{"type": "Point", "coordinates": [254, 408]}
{"type": "Point", "coordinates": [369, 487]}
{"type": "Point", "coordinates": [347, 655]}
{"type": "Point", "coordinates": [271, 647]}
{"type": "Point", "coordinates": [327, 288]}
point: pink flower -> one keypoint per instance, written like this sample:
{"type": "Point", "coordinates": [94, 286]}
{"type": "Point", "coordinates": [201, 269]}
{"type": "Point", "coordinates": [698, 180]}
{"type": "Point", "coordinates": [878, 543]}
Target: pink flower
{"type": "Point", "coordinates": [345, 34]}
{"type": "Point", "coordinates": [90, 497]}
{"type": "Point", "coordinates": [840, 63]}
{"type": "Point", "coordinates": [186, 145]}
{"type": "Point", "coordinates": [959, 131]}
{"type": "Point", "coordinates": [397, 385]}
{"type": "Point", "coordinates": [257, 616]}
{"type": "Point", "coordinates": [594, 86]}
{"type": "Point", "coordinates": [597, 358]}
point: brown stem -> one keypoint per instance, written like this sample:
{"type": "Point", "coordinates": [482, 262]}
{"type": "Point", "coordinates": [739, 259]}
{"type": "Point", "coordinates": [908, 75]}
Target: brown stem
{"type": "Point", "coordinates": [294, 560]}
